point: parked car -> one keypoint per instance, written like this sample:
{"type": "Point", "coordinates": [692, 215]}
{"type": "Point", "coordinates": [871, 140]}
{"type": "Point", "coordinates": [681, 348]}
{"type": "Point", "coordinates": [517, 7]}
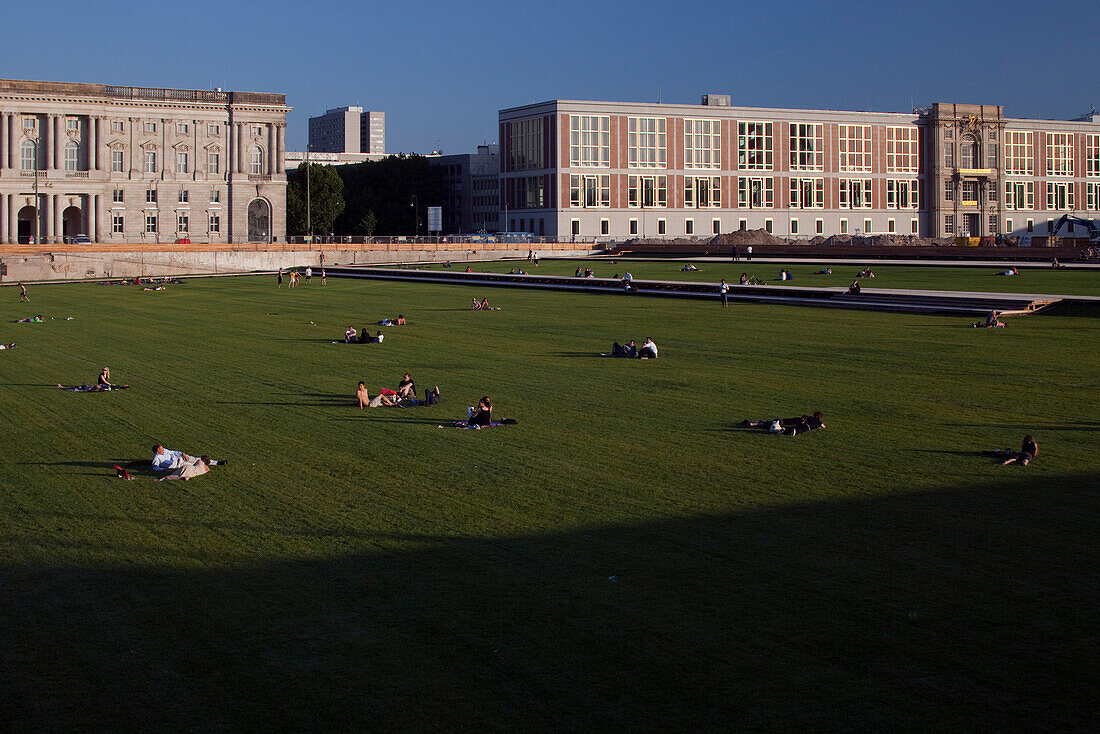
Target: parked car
{"type": "Point", "coordinates": [82, 239]}
{"type": "Point", "coordinates": [183, 241]}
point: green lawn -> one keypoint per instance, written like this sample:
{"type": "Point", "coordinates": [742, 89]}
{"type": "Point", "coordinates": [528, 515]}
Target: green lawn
{"type": "Point", "coordinates": [1030, 280]}
{"type": "Point", "coordinates": [626, 557]}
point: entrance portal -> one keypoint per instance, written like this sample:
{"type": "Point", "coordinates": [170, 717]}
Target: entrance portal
{"type": "Point", "coordinates": [974, 225]}
{"type": "Point", "coordinates": [71, 223]}
{"type": "Point", "coordinates": [259, 221]}
{"type": "Point", "coordinates": [25, 235]}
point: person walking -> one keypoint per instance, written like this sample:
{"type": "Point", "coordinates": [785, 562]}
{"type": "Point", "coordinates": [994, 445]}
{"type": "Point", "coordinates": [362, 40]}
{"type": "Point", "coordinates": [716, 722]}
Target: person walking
{"type": "Point", "coordinates": [322, 276]}
{"type": "Point", "coordinates": [309, 275]}
{"type": "Point", "coordinates": [23, 297]}
{"type": "Point", "coordinates": [748, 252]}
{"type": "Point", "coordinates": [736, 254]}
{"type": "Point", "coordinates": [280, 285]}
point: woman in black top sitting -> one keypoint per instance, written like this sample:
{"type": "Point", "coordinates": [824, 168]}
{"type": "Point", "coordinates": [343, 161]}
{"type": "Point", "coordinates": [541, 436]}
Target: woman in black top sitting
{"type": "Point", "coordinates": [1028, 451]}
{"type": "Point", "coordinates": [484, 414]}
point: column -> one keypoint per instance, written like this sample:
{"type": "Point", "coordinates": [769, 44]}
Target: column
{"type": "Point", "coordinates": [271, 155]}
{"type": "Point", "coordinates": [101, 221]}
{"type": "Point", "coordinates": [13, 219]}
{"type": "Point", "coordinates": [13, 153]}
{"type": "Point", "coordinates": [230, 148]}
{"type": "Point", "coordinates": [240, 148]}
{"type": "Point", "coordinates": [59, 218]}
{"type": "Point", "coordinates": [93, 139]}
{"type": "Point", "coordinates": [58, 137]}
{"type": "Point", "coordinates": [3, 214]}
{"type": "Point", "coordinates": [3, 143]}
{"type": "Point", "coordinates": [45, 212]}
{"type": "Point", "coordinates": [280, 136]}
{"type": "Point", "coordinates": [89, 206]}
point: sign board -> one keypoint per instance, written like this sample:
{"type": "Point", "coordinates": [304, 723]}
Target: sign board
{"type": "Point", "coordinates": [435, 219]}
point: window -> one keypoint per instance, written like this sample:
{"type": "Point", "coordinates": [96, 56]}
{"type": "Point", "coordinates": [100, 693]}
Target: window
{"type": "Point", "coordinates": [215, 196]}
{"type": "Point", "coordinates": [807, 147]}
{"type": "Point", "coordinates": [991, 156]}
{"type": "Point", "coordinates": [590, 140]}
{"type": "Point", "coordinates": [855, 193]}
{"type": "Point", "coordinates": [743, 225]}
{"type": "Point", "coordinates": [528, 192]}
{"type": "Point", "coordinates": [118, 161]}
{"type": "Point", "coordinates": [590, 191]}
{"type": "Point", "coordinates": [605, 226]}
{"type": "Point", "coordinates": [26, 155]}
{"type": "Point", "coordinates": [702, 191]}
{"type": "Point", "coordinates": [213, 129]}
{"type": "Point", "coordinates": [151, 222]}
{"type": "Point", "coordinates": [969, 193]}
{"type": "Point", "coordinates": [689, 226]}
{"type": "Point", "coordinates": [1059, 154]}
{"type": "Point", "coordinates": [72, 123]}
{"type": "Point", "coordinates": [855, 148]}
{"type": "Point", "coordinates": [182, 128]}
{"type": "Point", "coordinates": [754, 146]}
{"type": "Point", "coordinates": [992, 224]}
{"type": "Point", "coordinates": [526, 148]}
{"type": "Point", "coordinates": [1050, 225]}
{"type": "Point", "coordinates": [256, 161]}
{"type": "Point", "coordinates": [647, 191]}
{"type": "Point", "coordinates": [117, 223]}
{"type": "Point", "coordinates": [968, 152]}
{"type": "Point", "coordinates": [1092, 196]}
{"type": "Point", "coordinates": [185, 196]}
{"type": "Point", "coordinates": [702, 143]}
{"type": "Point", "coordinates": [716, 226]}
{"type": "Point", "coordinates": [30, 123]}
{"type": "Point", "coordinates": [755, 193]}
{"type": "Point", "coordinates": [901, 150]}
{"type": "Point", "coordinates": [183, 163]}
{"type": "Point", "coordinates": [183, 222]}
{"type": "Point", "coordinates": [949, 190]}
{"type": "Point", "coordinates": [150, 196]}
{"type": "Point", "coordinates": [72, 155]}
{"type": "Point", "coordinates": [150, 161]}
{"type": "Point", "coordinates": [1008, 226]}
{"type": "Point", "coordinates": [768, 226]}
{"type": "Point", "coordinates": [258, 130]}
{"type": "Point", "coordinates": [991, 191]}
{"type": "Point", "coordinates": [1019, 153]}
{"type": "Point", "coordinates": [891, 226]}
{"type": "Point", "coordinates": [844, 226]}
{"type": "Point", "coordinates": [819, 226]}
{"type": "Point", "coordinates": [914, 228]}
{"type": "Point", "coordinates": [1059, 195]}
{"type": "Point", "coordinates": [902, 193]}
{"type": "Point", "coordinates": [646, 142]}
{"type": "Point", "coordinates": [1019, 195]}
{"type": "Point", "coordinates": [1092, 155]}
{"type": "Point", "coordinates": [116, 196]}
{"type": "Point", "coordinates": [949, 133]}
{"type": "Point", "coordinates": [215, 224]}
{"type": "Point", "coordinates": [949, 224]}
{"type": "Point", "coordinates": [794, 226]}
{"type": "Point", "coordinates": [949, 155]}
{"type": "Point", "coordinates": [662, 226]}
{"type": "Point", "coordinates": [807, 193]}
{"type": "Point", "coordinates": [575, 227]}
{"type": "Point", "coordinates": [866, 226]}
{"type": "Point", "coordinates": [213, 163]}
{"type": "Point", "coordinates": [150, 127]}
{"type": "Point", "coordinates": [1030, 226]}
{"type": "Point", "coordinates": [118, 126]}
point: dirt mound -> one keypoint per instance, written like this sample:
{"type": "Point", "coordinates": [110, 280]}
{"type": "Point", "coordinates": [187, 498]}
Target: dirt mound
{"type": "Point", "coordinates": [745, 237]}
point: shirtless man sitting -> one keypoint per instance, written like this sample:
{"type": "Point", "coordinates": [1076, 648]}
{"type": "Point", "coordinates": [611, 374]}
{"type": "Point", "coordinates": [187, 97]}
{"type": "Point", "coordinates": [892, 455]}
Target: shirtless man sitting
{"type": "Point", "coordinates": [378, 401]}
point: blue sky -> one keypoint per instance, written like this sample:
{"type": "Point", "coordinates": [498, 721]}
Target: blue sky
{"type": "Point", "coordinates": [441, 70]}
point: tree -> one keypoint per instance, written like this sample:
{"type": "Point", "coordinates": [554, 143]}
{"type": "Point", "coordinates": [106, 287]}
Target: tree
{"type": "Point", "coordinates": [368, 223]}
{"type": "Point", "coordinates": [326, 199]}
{"type": "Point", "coordinates": [384, 188]}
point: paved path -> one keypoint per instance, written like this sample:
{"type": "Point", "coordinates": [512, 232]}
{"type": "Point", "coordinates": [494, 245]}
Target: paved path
{"type": "Point", "coordinates": [990, 264]}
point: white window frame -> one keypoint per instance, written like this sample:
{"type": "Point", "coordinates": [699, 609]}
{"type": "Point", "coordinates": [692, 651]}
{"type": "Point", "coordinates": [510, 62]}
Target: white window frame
{"type": "Point", "coordinates": [184, 196]}
{"type": "Point", "coordinates": [1092, 155]}
{"type": "Point", "coordinates": [914, 226]}
{"type": "Point", "coordinates": [662, 225]}
{"type": "Point", "coordinates": [646, 142]}
{"type": "Point", "coordinates": [118, 223]}
{"type": "Point", "coordinates": [183, 222]}
{"type": "Point", "coordinates": [639, 186]}
{"type": "Point", "coordinates": [807, 146]}
{"type": "Point", "coordinates": [150, 161]}
{"type": "Point", "coordinates": [150, 126]}
{"type": "Point", "coordinates": [118, 161]}
{"type": "Point", "coordinates": [1092, 196]}
{"type": "Point", "coordinates": [118, 126]}
{"type": "Point", "coordinates": [118, 196]}
{"type": "Point", "coordinates": [580, 185]}
{"type": "Point", "coordinates": [949, 224]}
{"type": "Point", "coordinates": [151, 222]}
{"type": "Point", "coordinates": [1059, 154]}
{"type": "Point", "coordinates": [214, 223]}
{"type": "Point", "coordinates": [526, 151]}
{"type": "Point", "coordinates": [183, 162]}
{"type": "Point", "coordinates": [213, 163]}
{"type": "Point", "coordinates": [868, 225]}
{"type": "Point", "coordinates": [256, 160]}
{"type": "Point", "coordinates": [855, 193]}
{"type": "Point", "coordinates": [72, 123]}
{"type": "Point", "coordinates": [855, 148]}
{"type": "Point", "coordinates": [702, 192]}
{"type": "Point", "coordinates": [902, 193]}
{"type": "Point", "coordinates": [1019, 195]}
{"type": "Point", "coordinates": [755, 145]}
{"type": "Point", "coordinates": [902, 153]}
{"type": "Point", "coordinates": [802, 189]}
{"type": "Point", "coordinates": [748, 186]}
{"type": "Point", "coordinates": [182, 128]}
{"type": "Point", "coordinates": [72, 155]}
{"type": "Point", "coordinates": [702, 143]}
{"type": "Point", "coordinates": [1060, 195]}
{"type": "Point", "coordinates": [689, 226]}
{"type": "Point", "coordinates": [1019, 153]}
{"type": "Point", "coordinates": [793, 226]}
{"type": "Point", "coordinates": [590, 141]}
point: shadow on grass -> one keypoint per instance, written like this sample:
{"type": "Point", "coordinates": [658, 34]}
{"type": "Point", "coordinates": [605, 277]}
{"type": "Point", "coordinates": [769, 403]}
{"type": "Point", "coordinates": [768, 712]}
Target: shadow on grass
{"type": "Point", "coordinates": [1026, 428]}
{"type": "Point", "coordinates": [961, 609]}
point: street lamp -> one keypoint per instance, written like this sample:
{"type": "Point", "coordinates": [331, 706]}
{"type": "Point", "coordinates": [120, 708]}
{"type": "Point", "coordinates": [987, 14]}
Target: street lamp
{"type": "Point", "coordinates": [309, 217]}
{"type": "Point", "coordinates": [416, 216]}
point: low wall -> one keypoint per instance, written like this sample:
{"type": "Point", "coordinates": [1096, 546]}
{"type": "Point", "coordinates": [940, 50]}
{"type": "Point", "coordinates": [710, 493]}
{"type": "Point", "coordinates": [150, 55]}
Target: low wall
{"type": "Point", "coordinates": [102, 265]}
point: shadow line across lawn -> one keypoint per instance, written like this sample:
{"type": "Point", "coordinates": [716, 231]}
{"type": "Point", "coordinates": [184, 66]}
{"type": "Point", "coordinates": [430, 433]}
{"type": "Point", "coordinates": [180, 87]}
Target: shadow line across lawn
{"type": "Point", "coordinates": [967, 608]}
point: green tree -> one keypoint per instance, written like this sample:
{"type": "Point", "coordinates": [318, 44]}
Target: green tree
{"type": "Point", "coordinates": [325, 200]}
{"type": "Point", "coordinates": [385, 188]}
{"type": "Point", "coordinates": [368, 223]}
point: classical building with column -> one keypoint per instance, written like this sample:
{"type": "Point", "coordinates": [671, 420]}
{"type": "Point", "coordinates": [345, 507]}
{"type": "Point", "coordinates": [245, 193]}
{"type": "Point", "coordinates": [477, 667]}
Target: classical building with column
{"type": "Point", "coordinates": [140, 165]}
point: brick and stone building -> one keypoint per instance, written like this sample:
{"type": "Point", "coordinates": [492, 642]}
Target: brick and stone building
{"type": "Point", "coordinates": [140, 165]}
{"type": "Point", "coordinates": [618, 170]}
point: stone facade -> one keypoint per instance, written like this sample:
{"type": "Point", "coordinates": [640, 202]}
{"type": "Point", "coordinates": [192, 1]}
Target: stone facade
{"type": "Point", "coordinates": [141, 165]}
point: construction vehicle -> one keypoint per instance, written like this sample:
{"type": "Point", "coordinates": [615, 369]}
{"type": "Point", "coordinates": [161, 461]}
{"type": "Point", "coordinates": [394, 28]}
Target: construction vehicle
{"type": "Point", "coordinates": [1090, 227]}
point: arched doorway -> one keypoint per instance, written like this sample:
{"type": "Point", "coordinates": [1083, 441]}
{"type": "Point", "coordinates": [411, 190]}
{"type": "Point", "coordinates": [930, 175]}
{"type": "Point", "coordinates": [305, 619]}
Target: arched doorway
{"type": "Point", "coordinates": [259, 221]}
{"type": "Point", "coordinates": [26, 225]}
{"type": "Point", "coordinates": [72, 223]}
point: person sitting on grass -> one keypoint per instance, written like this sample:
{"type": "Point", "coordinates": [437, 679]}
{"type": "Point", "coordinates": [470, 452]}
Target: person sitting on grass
{"type": "Point", "coordinates": [11, 345]}
{"type": "Point", "coordinates": [484, 306]}
{"type": "Point", "coordinates": [825, 271]}
{"type": "Point", "coordinates": [406, 388]}
{"type": "Point", "coordinates": [648, 350]}
{"type": "Point", "coordinates": [785, 275]}
{"type": "Point", "coordinates": [992, 321]}
{"type": "Point", "coordinates": [165, 459]}
{"type": "Point", "coordinates": [789, 426]}
{"type": "Point", "coordinates": [689, 268]}
{"type": "Point", "coordinates": [378, 401]}
{"type": "Point", "coordinates": [430, 398]}
{"type": "Point", "coordinates": [105, 378]}
{"type": "Point", "coordinates": [1028, 451]}
{"type": "Point", "coordinates": [480, 416]}
{"type": "Point", "coordinates": [349, 335]}
{"type": "Point", "coordinates": [854, 288]}
{"type": "Point", "coordinates": [866, 273]}
{"type": "Point", "coordinates": [475, 304]}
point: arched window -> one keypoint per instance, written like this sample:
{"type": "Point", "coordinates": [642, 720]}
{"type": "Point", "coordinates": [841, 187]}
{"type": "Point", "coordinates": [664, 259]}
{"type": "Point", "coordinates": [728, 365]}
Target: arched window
{"type": "Point", "coordinates": [968, 153]}
{"type": "Point", "coordinates": [26, 155]}
{"type": "Point", "coordinates": [257, 160]}
{"type": "Point", "coordinates": [72, 155]}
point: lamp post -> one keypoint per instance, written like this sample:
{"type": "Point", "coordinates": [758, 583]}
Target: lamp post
{"type": "Point", "coordinates": [416, 216]}
{"type": "Point", "coordinates": [309, 216]}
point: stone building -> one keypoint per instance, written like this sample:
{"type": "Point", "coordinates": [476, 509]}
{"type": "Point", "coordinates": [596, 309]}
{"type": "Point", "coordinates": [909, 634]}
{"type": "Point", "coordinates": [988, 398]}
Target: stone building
{"type": "Point", "coordinates": [348, 130]}
{"type": "Point", "coordinates": [140, 165]}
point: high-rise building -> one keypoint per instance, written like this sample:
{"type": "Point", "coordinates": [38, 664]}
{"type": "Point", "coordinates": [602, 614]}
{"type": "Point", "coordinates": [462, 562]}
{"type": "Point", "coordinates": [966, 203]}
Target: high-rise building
{"type": "Point", "coordinates": [620, 170]}
{"type": "Point", "coordinates": [137, 164]}
{"type": "Point", "coordinates": [348, 130]}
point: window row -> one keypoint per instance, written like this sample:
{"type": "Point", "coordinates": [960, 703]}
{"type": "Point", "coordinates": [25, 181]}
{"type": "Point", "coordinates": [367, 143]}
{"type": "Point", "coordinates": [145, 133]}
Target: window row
{"type": "Point", "coordinates": [152, 223]}
{"type": "Point", "coordinates": [794, 225]}
{"type": "Point", "coordinates": [118, 196]}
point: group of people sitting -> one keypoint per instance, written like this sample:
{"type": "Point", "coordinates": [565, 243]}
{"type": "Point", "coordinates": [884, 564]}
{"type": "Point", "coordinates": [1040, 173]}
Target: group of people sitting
{"type": "Point", "coordinates": [103, 384]}
{"type": "Point", "coordinates": [747, 279]}
{"type": "Point", "coordinates": [588, 273]}
{"type": "Point", "coordinates": [854, 288]}
{"type": "Point", "coordinates": [399, 321]}
{"type": "Point", "coordinates": [481, 416]}
{"type": "Point", "coordinates": [992, 321]}
{"type": "Point", "coordinates": [866, 273]}
{"type": "Point", "coordinates": [9, 345]}
{"type": "Point", "coordinates": [482, 305]}
{"type": "Point", "coordinates": [404, 396]}
{"type": "Point", "coordinates": [517, 271]}
{"type": "Point", "coordinates": [789, 426]}
{"type": "Point", "coordinates": [351, 336]}
{"type": "Point", "coordinates": [178, 464]}
{"type": "Point", "coordinates": [689, 268]}
{"type": "Point", "coordinates": [631, 351]}
{"type": "Point", "coordinates": [785, 275]}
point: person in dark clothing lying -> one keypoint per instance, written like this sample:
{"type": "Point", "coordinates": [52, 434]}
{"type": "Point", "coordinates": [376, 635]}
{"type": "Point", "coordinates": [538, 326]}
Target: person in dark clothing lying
{"type": "Point", "coordinates": [789, 426]}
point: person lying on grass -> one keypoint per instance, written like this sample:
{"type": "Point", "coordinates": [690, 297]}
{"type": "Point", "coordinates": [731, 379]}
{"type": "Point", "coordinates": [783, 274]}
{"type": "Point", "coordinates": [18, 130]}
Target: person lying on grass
{"type": "Point", "coordinates": [789, 426]}
{"type": "Point", "coordinates": [378, 401]}
{"type": "Point", "coordinates": [1028, 451]}
{"type": "Point", "coordinates": [189, 469]}
{"type": "Point", "coordinates": [36, 319]}
{"type": "Point", "coordinates": [167, 459]}
{"type": "Point", "coordinates": [430, 398]}
{"type": "Point", "coordinates": [12, 345]}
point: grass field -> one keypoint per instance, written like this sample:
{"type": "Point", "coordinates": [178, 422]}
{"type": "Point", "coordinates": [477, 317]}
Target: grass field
{"type": "Point", "coordinates": [958, 278]}
{"type": "Point", "coordinates": [626, 557]}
